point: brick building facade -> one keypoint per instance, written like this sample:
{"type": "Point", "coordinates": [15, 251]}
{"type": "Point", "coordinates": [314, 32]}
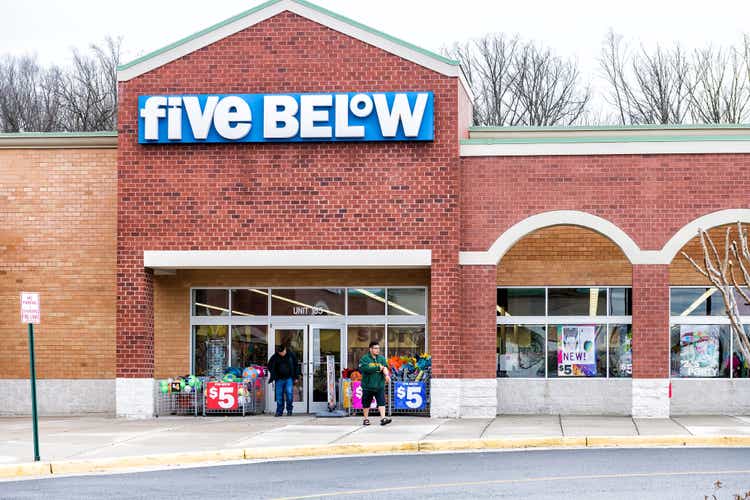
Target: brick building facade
{"type": "Point", "coordinates": [120, 236]}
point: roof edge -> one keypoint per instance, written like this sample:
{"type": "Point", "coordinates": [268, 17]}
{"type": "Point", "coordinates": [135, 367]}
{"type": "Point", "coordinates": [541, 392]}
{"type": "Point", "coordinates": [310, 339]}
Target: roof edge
{"type": "Point", "coordinates": [195, 35]}
{"type": "Point", "coordinates": [59, 140]}
{"type": "Point", "coordinates": [608, 139]}
{"type": "Point", "coordinates": [129, 70]}
{"type": "Point", "coordinates": [594, 128]}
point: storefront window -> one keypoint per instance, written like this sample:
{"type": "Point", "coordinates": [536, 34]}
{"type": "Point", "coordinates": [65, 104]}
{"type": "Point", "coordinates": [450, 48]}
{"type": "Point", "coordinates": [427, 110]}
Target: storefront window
{"type": "Point", "coordinates": [702, 342]}
{"type": "Point", "coordinates": [740, 367]}
{"type": "Point", "coordinates": [520, 302]}
{"type": "Point", "coordinates": [406, 340]}
{"type": "Point", "coordinates": [520, 350]}
{"type": "Point", "coordinates": [209, 350]}
{"type": "Point", "coordinates": [700, 351]}
{"type": "Point", "coordinates": [358, 341]}
{"type": "Point", "coordinates": [700, 301]}
{"type": "Point", "coordinates": [743, 305]}
{"type": "Point", "coordinates": [597, 344]}
{"type": "Point", "coordinates": [620, 350]}
{"type": "Point", "coordinates": [211, 302]}
{"type": "Point", "coordinates": [308, 302]}
{"type": "Point", "coordinates": [577, 302]}
{"type": "Point", "coordinates": [406, 302]}
{"type": "Point", "coordinates": [620, 301]}
{"type": "Point", "coordinates": [249, 302]}
{"type": "Point", "coordinates": [249, 345]}
{"type": "Point", "coordinates": [577, 350]}
{"type": "Point", "coordinates": [366, 301]}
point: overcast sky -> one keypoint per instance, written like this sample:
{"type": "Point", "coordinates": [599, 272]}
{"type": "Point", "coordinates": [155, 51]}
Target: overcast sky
{"type": "Point", "coordinates": [575, 28]}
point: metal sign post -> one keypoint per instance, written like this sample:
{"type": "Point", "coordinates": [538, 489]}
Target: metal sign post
{"type": "Point", "coordinates": [30, 313]}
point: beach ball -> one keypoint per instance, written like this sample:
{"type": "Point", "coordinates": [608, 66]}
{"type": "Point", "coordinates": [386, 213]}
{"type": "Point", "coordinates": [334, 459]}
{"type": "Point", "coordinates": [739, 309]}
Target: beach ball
{"type": "Point", "coordinates": [164, 386]}
{"type": "Point", "coordinates": [188, 389]}
{"type": "Point", "coordinates": [229, 377]}
{"type": "Point", "coordinates": [249, 374]}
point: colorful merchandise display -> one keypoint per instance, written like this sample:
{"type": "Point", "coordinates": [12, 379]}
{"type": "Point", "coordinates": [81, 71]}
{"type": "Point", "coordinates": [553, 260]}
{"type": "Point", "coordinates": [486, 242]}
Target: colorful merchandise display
{"type": "Point", "coordinates": [186, 394]}
{"type": "Point", "coordinates": [410, 369]}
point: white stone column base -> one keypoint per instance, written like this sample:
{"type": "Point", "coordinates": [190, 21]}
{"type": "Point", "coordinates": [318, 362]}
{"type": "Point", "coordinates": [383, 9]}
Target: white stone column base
{"type": "Point", "coordinates": [463, 398]}
{"type": "Point", "coordinates": [651, 397]}
{"type": "Point", "coordinates": [134, 397]}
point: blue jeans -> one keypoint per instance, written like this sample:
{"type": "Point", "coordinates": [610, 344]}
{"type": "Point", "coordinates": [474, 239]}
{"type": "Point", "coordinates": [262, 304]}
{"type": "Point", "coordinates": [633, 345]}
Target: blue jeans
{"type": "Point", "coordinates": [284, 387]}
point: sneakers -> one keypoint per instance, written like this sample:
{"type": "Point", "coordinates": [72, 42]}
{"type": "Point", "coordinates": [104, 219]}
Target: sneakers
{"type": "Point", "coordinates": [383, 421]}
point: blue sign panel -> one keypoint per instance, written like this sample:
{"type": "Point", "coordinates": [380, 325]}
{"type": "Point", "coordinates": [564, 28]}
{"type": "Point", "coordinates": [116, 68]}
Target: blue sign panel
{"type": "Point", "coordinates": [325, 117]}
{"type": "Point", "coordinates": [409, 395]}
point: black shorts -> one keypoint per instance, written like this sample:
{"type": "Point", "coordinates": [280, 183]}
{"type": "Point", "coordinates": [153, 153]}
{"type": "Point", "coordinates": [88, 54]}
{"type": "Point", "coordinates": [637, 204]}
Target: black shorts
{"type": "Point", "coordinates": [369, 394]}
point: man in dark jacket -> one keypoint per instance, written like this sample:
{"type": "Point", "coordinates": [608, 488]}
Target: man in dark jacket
{"type": "Point", "coordinates": [285, 371]}
{"type": "Point", "coordinates": [375, 374]}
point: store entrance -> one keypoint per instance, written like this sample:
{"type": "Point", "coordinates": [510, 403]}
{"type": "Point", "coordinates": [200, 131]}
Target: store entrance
{"type": "Point", "coordinates": [311, 344]}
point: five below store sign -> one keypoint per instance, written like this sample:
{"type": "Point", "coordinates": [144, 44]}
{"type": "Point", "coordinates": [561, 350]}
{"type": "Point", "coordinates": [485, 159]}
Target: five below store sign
{"type": "Point", "coordinates": [385, 116]}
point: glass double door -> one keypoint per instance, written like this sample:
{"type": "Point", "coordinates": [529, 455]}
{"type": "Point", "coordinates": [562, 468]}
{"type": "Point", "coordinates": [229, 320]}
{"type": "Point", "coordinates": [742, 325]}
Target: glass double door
{"type": "Point", "coordinates": [311, 344]}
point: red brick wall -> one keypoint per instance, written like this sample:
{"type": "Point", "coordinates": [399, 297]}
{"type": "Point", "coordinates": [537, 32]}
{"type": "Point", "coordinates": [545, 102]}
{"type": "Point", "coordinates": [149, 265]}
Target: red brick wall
{"type": "Point", "coordinates": [479, 323]}
{"type": "Point", "coordinates": [465, 113]}
{"type": "Point", "coordinates": [650, 197]}
{"type": "Point", "coordinates": [650, 321]}
{"type": "Point", "coordinates": [286, 196]}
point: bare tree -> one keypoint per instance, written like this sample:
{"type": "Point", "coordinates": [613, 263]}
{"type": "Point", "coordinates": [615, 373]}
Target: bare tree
{"type": "Point", "coordinates": [612, 61]}
{"type": "Point", "coordinates": [548, 88]}
{"type": "Point", "coordinates": [721, 271]}
{"type": "Point", "coordinates": [28, 95]}
{"type": "Point", "coordinates": [721, 89]}
{"type": "Point", "coordinates": [647, 87]}
{"type": "Point", "coordinates": [82, 97]}
{"type": "Point", "coordinates": [488, 63]}
{"type": "Point", "coordinates": [520, 83]}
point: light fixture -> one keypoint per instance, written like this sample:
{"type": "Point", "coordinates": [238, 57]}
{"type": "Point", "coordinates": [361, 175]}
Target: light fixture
{"type": "Point", "coordinates": [390, 303]}
{"type": "Point", "coordinates": [699, 301]}
{"type": "Point", "coordinates": [593, 301]}
{"type": "Point", "coordinates": [295, 302]}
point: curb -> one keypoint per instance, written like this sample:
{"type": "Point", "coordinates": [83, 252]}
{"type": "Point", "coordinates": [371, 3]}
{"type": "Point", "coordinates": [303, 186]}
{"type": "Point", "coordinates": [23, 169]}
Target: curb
{"type": "Point", "coordinates": [42, 469]}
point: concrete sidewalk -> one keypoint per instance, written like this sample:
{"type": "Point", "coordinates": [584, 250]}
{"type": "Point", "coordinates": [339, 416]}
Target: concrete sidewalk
{"type": "Point", "coordinates": [93, 440]}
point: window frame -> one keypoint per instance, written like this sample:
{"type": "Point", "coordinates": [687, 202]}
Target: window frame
{"type": "Point", "coordinates": [270, 320]}
{"type": "Point", "coordinates": [546, 321]}
{"type": "Point", "coordinates": [721, 320]}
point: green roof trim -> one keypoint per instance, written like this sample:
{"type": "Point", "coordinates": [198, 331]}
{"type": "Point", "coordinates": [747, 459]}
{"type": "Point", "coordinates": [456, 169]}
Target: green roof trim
{"type": "Point", "coordinates": [610, 139]}
{"type": "Point", "coordinates": [594, 128]}
{"type": "Point", "coordinates": [374, 31]}
{"type": "Point", "coordinates": [269, 4]}
{"type": "Point", "coordinates": [20, 135]}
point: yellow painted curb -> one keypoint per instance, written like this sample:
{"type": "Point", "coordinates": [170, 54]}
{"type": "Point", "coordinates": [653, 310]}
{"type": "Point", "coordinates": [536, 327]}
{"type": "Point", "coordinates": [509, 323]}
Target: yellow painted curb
{"type": "Point", "coordinates": [108, 464]}
{"type": "Point", "coordinates": [498, 444]}
{"type": "Point", "coordinates": [613, 441]}
{"type": "Point", "coordinates": [25, 469]}
{"type": "Point", "coordinates": [330, 450]}
{"type": "Point", "coordinates": [146, 461]}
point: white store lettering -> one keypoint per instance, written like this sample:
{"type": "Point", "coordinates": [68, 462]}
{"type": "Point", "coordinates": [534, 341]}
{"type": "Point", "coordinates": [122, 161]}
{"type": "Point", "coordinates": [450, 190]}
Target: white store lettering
{"type": "Point", "coordinates": [292, 117]}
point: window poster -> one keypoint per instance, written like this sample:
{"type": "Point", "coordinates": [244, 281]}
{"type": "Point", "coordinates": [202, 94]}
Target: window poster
{"type": "Point", "coordinates": [699, 350]}
{"type": "Point", "coordinates": [576, 351]}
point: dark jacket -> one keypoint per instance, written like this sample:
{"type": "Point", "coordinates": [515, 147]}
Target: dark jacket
{"type": "Point", "coordinates": [277, 359]}
{"type": "Point", "coordinates": [369, 367]}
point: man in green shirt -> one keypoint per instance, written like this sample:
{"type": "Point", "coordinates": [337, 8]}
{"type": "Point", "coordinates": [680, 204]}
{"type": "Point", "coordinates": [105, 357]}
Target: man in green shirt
{"type": "Point", "coordinates": [374, 370]}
